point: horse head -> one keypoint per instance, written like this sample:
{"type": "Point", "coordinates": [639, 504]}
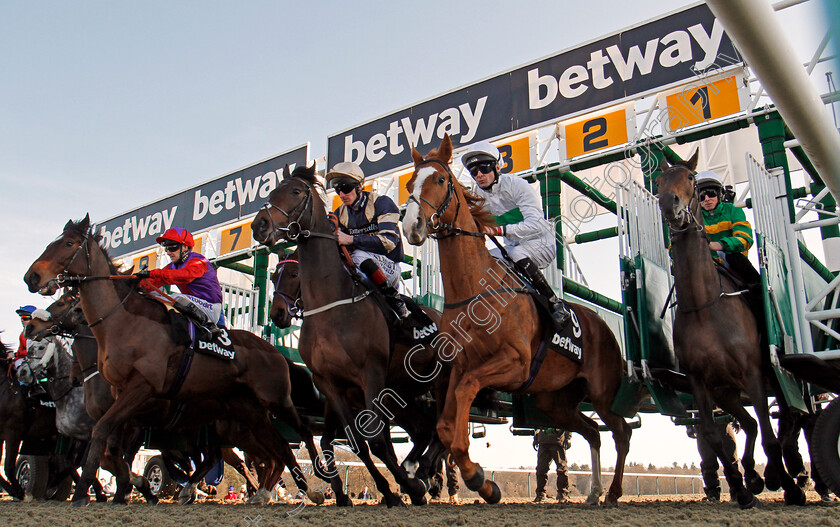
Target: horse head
{"type": "Point", "coordinates": [65, 316]}
{"type": "Point", "coordinates": [288, 211]}
{"type": "Point", "coordinates": [677, 193]}
{"type": "Point", "coordinates": [61, 258]}
{"type": "Point", "coordinates": [286, 302]}
{"type": "Point", "coordinates": [431, 189]}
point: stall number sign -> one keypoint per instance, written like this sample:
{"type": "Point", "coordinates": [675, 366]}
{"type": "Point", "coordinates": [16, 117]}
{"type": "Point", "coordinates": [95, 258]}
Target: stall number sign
{"type": "Point", "coordinates": [236, 238]}
{"type": "Point", "coordinates": [697, 104]}
{"type": "Point", "coordinates": [145, 261]}
{"type": "Point", "coordinates": [595, 133]}
{"type": "Point", "coordinates": [516, 157]}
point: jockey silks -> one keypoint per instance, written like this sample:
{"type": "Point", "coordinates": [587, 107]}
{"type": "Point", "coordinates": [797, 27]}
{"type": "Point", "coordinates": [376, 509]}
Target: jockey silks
{"type": "Point", "coordinates": [372, 221]}
{"type": "Point", "coordinates": [195, 276]}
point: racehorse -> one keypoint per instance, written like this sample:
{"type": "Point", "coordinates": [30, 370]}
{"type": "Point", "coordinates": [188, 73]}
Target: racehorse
{"type": "Point", "coordinates": [140, 359]}
{"type": "Point", "coordinates": [716, 339]}
{"type": "Point", "coordinates": [346, 343]}
{"type": "Point", "coordinates": [495, 335]}
{"type": "Point", "coordinates": [67, 319]}
{"type": "Point", "coordinates": [18, 421]}
{"type": "Point", "coordinates": [286, 304]}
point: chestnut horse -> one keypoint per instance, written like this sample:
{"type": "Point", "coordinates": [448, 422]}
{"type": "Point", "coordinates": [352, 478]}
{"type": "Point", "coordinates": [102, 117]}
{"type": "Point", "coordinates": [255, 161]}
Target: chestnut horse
{"type": "Point", "coordinates": [717, 342]}
{"type": "Point", "coordinates": [500, 356]}
{"type": "Point", "coordinates": [346, 343]}
{"type": "Point", "coordinates": [138, 356]}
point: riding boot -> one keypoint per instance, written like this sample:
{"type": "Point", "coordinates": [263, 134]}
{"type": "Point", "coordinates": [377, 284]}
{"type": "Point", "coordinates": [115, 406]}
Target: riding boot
{"type": "Point", "coordinates": [192, 312]}
{"type": "Point", "coordinates": [559, 312]}
{"type": "Point", "coordinates": [377, 276]}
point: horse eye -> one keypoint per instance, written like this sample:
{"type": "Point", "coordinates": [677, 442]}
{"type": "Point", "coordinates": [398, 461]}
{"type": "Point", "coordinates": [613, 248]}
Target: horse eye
{"type": "Point", "coordinates": [440, 180]}
{"type": "Point", "coordinates": [296, 191]}
{"type": "Point", "coordinates": [68, 243]}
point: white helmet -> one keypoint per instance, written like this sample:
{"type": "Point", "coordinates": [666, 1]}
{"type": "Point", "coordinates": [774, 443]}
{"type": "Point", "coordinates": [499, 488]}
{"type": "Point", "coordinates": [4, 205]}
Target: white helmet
{"type": "Point", "coordinates": [479, 152]}
{"type": "Point", "coordinates": [708, 179]}
{"type": "Point", "coordinates": [345, 172]}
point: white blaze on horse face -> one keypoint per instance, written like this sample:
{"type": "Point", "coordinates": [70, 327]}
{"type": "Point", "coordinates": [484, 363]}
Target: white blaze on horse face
{"type": "Point", "coordinates": [411, 221]}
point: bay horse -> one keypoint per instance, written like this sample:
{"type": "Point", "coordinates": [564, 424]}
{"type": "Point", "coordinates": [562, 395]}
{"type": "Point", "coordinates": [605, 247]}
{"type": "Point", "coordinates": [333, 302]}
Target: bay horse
{"type": "Point", "coordinates": [346, 343]}
{"type": "Point", "coordinates": [500, 356]}
{"type": "Point", "coordinates": [286, 304]}
{"type": "Point", "coordinates": [19, 421]}
{"type": "Point", "coordinates": [139, 357]}
{"type": "Point", "coordinates": [717, 342]}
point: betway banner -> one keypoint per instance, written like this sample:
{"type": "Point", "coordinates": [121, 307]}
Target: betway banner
{"type": "Point", "coordinates": [631, 63]}
{"type": "Point", "coordinates": [222, 200]}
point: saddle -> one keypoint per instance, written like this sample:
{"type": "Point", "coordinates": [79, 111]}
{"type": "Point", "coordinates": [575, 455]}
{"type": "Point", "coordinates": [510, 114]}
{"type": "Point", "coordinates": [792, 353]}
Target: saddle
{"type": "Point", "coordinates": [186, 333]}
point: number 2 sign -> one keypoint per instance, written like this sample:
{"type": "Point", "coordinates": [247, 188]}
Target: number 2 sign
{"type": "Point", "coordinates": [596, 132]}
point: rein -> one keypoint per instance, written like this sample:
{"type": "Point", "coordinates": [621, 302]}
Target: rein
{"type": "Point", "coordinates": [292, 304]}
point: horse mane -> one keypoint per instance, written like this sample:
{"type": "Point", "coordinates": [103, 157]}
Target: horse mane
{"type": "Point", "coordinates": [306, 173]}
{"type": "Point", "coordinates": [482, 216]}
{"type": "Point", "coordinates": [5, 347]}
{"type": "Point", "coordinates": [82, 228]}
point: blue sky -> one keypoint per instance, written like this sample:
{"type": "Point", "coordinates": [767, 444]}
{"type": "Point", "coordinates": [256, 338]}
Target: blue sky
{"type": "Point", "coordinates": [105, 106]}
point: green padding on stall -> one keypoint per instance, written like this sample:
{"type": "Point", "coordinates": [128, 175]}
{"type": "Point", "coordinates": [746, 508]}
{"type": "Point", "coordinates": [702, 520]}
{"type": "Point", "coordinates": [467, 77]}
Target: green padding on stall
{"type": "Point", "coordinates": [629, 398]}
{"type": "Point", "coordinates": [657, 341]}
{"type": "Point", "coordinates": [430, 300]}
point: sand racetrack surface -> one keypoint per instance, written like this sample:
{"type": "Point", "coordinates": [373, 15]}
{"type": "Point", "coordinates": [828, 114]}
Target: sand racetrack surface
{"type": "Point", "coordinates": [644, 511]}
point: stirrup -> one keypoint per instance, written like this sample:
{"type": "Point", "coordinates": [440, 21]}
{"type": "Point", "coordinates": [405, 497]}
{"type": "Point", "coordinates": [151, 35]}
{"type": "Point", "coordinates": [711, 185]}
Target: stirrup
{"type": "Point", "coordinates": [560, 314]}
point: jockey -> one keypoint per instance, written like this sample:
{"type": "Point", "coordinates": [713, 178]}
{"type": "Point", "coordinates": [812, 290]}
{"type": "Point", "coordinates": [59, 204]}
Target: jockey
{"type": "Point", "coordinates": [200, 298]}
{"type": "Point", "coordinates": [368, 228]}
{"type": "Point", "coordinates": [25, 313]}
{"type": "Point", "coordinates": [529, 238]}
{"type": "Point", "coordinates": [729, 232]}
{"type": "Point", "coordinates": [40, 356]}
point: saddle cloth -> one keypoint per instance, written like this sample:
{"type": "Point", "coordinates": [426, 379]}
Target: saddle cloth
{"type": "Point", "coordinates": [568, 341]}
{"type": "Point", "coordinates": [185, 333]}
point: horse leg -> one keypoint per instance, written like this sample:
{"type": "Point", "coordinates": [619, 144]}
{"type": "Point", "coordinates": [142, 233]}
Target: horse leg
{"type": "Point", "coordinates": [133, 397]}
{"type": "Point", "coordinates": [621, 433]}
{"type": "Point", "coordinates": [711, 434]}
{"type": "Point", "coordinates": [789, 430]}
{"type": "Point", "coordinates": [330, 426]}
{"type": "Point", "coordinates": [561, 406]}
{"type": "Point", "coordinates": [13, 486]}
{"type": "Point", "coordinates": [730, 401]}
{"type": "Point", "coordinates": [231, 458]}
{"type": "Point", "coordinates": [208, 461]}
{"type": "Point", "coordinates": [288, 414]}
{"type": "Point", "coordinates": [772, 447]}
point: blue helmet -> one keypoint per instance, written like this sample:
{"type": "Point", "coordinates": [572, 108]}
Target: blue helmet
{"type": "Point", "coordinates": [25, 310]}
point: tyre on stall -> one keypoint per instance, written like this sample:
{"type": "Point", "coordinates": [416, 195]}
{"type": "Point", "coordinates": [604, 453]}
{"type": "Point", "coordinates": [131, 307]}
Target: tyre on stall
{"type": "Point", "coordinates": [826, 445]}
{"type": "Point", "coordinates": [33, 472]}
{"type": "Point", "coordinates": [162, 485]}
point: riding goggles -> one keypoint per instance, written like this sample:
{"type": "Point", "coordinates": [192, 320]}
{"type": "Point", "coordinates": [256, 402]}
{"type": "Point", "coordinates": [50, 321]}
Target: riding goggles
{"type": "Point", "coordinates": [485, 167]}
{"type": "Point", "coordinates": [171, 247]}
{"type": "Point", "coordinates": [26, 318]}
{"type": "Point", "coordinates": [708, 194]}
{"type": "Point", "coordinates": [345, 188]}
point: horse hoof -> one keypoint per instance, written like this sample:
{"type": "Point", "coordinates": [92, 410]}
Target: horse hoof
{"type": "Point", "coordinates": [593, 500]}
{"type": "Point", "coordinates": [114, 503]}
{"type": "Point", "coordinates": [748, 502]}
{"type": "Point", "coordinates": [186, 500]}
{"type": "Point", "coordinates": [477, 481]}
{"type": "Point", "coordinates": [418, 500]}
{"type": "Point", "coordinates": [81, 502]}
{"type": "Point", "coordinates": [343, 501]}
{"type": "Point", "coordinates": [316, 497]}
{"type": "Point", "coordinates": [795, 496]}
{"type": "Point", "coordinates": [490, 492]}
{"type": "Point", "coordinates": [101, 499]}
{"type": "Point", "coordinates": [611, 501]}
{"type": "Point", "coordinates": [754, 483]}
{"type": "Point", "coordinates": [772, 480]}
{"type": "Point", "coordinates": [393, 500]}
{"type": "Point", "coordinates": [151, 499]}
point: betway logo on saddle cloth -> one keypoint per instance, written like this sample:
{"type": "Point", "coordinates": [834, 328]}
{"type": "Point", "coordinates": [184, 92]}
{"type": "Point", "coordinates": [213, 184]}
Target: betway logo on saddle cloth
{"type": "Point", "coordinates": [222, 200]}
{"type": "Point", "coordinates": [635, 61]}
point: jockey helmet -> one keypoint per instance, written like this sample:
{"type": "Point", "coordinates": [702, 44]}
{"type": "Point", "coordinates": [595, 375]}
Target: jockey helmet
{"type": "Point", "coordinates": [177, 235]}
{"type": "Point", "coordinates": [345, 172]}
{"type": "Point", "coordinates": [708, 179]}
{"type": "Point", "coordinates": [479, 152]}
{"type": "Point", "coordinates": [25, 310]}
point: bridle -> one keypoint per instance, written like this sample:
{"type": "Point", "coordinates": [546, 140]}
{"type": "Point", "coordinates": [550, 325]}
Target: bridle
{"type": "Point", "coordinates": [293, 305]}
{"type": "Point", "coordinates": [294, 230]}
{"type": "Point", "coordinates": [62, 278]}
{"type": "Point", "coordinates": [449, 229]}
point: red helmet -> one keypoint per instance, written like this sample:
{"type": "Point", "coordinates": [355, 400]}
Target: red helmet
{"type": "Point", "coordinates": [177, 235]}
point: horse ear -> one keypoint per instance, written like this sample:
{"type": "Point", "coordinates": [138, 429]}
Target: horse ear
{"type": "Point", "coordinates": [664, 164]}
{"type": "Point", "coordinates": [286, 172]}
{"type": "Point", "coordinates": [692, 162]}
{"type": "Point", "coordinates": [415, 155]}
{"type": "Point", "coordinates": [84, 225]}
{"type": "Point", "coordinates": [67, 226]}
{"type": "Point", "coordinates": [445, 150]}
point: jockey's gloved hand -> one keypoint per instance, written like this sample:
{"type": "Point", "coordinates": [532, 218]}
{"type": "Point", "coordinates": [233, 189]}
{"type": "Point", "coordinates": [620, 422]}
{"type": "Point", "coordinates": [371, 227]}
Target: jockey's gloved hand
{"type": "Point", "coordinates": [143, 274]}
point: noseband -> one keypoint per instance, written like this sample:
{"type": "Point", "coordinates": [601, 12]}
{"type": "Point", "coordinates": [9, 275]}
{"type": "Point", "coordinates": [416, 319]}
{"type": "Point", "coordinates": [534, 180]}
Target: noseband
{"type": "Point", "coordinates": [434, 220]}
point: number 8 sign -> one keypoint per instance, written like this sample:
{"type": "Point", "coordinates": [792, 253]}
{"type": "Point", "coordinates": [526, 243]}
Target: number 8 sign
{"type": "Point", "coordinates": [596, 132]}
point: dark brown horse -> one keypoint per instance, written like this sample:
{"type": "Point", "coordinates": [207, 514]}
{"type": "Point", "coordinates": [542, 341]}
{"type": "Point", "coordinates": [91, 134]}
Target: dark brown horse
{"type": "Point", "coordinates": [19, 422]}
{"type": "Point", "coordinates": [494, 344]}
{"type": "Point", "coordinates": [140, 359]}
{"type": "Point", "coordinates": [345, 340]}
{"type": "Point", "coordinates": [286, 302]}
{"type": "Point", "coordinates": [716, 340]}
